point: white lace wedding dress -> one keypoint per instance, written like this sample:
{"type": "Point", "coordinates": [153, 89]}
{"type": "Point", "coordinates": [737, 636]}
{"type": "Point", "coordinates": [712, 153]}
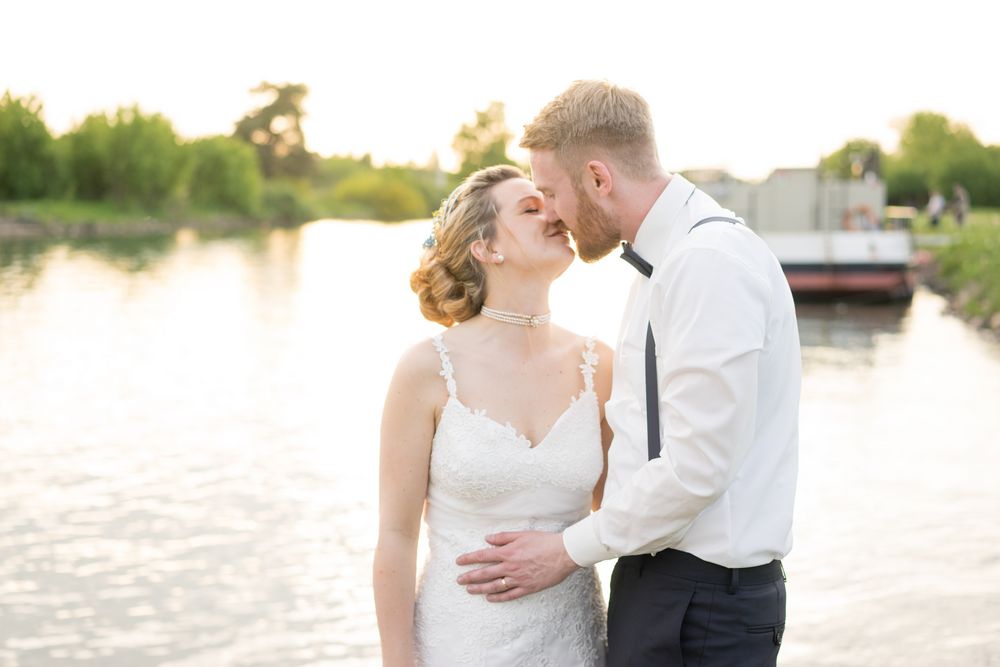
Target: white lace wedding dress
{"type": "Point", "coordinates": [486, 478]}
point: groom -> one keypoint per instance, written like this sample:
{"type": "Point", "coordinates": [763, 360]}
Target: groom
{"type": "Point", "coordinates": [698, 503]}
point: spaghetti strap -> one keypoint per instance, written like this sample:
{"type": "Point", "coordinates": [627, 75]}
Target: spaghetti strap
{"type": "Point", "coordinates": [590, 359]}
{"type": "Point", "coordinates": [447, 371]}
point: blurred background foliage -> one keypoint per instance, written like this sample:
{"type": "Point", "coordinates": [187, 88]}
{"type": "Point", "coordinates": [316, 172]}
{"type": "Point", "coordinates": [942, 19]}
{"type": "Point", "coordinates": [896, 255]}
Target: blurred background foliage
{"type": "Point", "coordinates": [134, 161]}
{"type": "Point", "coordinates": [934, 153]}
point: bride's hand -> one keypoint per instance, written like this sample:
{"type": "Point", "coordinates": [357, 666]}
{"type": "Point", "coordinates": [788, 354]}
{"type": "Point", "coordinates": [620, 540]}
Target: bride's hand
{"type": "Point", "coordinates": [521, 563]}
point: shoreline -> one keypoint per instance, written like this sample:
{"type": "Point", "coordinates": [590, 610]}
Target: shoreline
{"type": "Point", "coordinates": [19, 228]}
{"type": "Point", "coordinates": [13, 228]}
{"type": "Point", "coordinates": [929, 275]}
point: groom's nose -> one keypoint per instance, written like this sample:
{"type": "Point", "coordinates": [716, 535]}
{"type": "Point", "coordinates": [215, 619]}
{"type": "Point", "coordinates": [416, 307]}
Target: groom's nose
{"type": "Point", "coordinates": [550, 214]}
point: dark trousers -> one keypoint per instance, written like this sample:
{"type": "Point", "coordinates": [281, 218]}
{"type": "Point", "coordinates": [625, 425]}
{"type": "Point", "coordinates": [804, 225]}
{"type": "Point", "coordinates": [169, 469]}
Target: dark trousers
{"type": "Point", "coordinates": [676, 609]}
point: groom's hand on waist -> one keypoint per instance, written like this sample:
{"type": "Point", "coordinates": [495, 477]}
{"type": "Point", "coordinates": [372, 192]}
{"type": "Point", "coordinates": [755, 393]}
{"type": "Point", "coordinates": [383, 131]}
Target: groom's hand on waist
{"type": "Point", "coordinates": [518, 564]}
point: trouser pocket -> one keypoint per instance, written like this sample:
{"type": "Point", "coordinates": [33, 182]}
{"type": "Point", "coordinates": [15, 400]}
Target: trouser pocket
{"type": "Point", "coordinates": [776, 631]}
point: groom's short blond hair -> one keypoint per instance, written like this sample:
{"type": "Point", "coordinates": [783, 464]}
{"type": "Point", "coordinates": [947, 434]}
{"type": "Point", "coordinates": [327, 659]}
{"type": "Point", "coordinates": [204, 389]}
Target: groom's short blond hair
{"type": "Point", "coordinates": [596, 120]}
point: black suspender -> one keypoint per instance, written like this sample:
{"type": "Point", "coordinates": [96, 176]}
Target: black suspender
{"type": "Point", "coordinates": [652, 385]}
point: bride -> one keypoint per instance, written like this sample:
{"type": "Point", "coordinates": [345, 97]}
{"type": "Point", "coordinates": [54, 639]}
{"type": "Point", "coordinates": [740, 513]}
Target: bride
{"type": "Point", "coordinates": [494, 425]}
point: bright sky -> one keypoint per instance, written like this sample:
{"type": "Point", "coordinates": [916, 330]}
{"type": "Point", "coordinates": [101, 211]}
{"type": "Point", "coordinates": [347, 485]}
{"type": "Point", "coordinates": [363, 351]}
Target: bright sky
{"type": "Point", "coordinates": [747, 86]}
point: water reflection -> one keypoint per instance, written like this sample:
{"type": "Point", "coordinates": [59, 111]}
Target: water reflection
{"type": "Point", "coordinates": [132, 255]}
{"type": "Point", "coordinates": [847, 333]}
{"type": "Point", "coordinates": [168, 496]}
{"type": "Point", "coordinates": [189, 435]}
{"type": "Point", "coordinates": [21, 263]}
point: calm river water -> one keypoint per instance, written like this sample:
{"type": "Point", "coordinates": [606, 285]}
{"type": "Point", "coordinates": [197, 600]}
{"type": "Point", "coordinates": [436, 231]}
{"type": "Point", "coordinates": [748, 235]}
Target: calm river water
{"type": "Point", "coordinates": [188, 455]}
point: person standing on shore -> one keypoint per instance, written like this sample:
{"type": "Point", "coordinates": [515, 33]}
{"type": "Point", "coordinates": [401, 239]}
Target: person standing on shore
{"type": "Point", "coordinates": [960, 204]}
{"type": "Point", "coordinates": [935, 208]}
{"type": "Point", "coordinates": [497, 423]}
{"type": "Point", "coordinates": [704, 404]}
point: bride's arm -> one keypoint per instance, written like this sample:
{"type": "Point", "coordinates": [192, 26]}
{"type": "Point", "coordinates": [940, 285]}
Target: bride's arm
{"type": "Point", "coordinates": [602, 385]}
{"type": "Point", "coordinates": [407, 430]}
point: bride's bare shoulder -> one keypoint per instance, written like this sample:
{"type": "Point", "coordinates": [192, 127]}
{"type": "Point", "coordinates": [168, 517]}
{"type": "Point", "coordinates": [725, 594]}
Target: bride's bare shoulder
{"type": "Point", "coordinates": [420, 364]}
{"type": "Point", "coordinates": [602, 365]}
{"type": "Point", "coordinates": [575, 340]}
{"type": "Point", "coordinates": [604, 352]}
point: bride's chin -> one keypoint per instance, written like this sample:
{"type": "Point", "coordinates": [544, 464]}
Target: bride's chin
{"type": "Point", "coordinates": [556, 261]}
{"type": "Point", "coordinates": [557, 266]}
{"type": "Point", "coordinates": [567, 260]}
{"type": "Point", "coordinates": [568, 246]}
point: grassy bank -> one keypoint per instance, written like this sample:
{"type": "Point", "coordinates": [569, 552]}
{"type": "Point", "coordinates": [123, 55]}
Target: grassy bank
{"type": "Point", "coordinates": [969, 269]}
{"type": "Point", "coordinates": [977, 217]}
{"type": "Point", "coordinates": [69, 212]}
{"type": "Point", "coordinates": [51, 218]}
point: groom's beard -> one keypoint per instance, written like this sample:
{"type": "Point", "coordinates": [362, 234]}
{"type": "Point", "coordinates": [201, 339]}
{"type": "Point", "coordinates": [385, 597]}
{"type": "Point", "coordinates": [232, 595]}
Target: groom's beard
{"type": "Point", "coordinates": [596, 233]}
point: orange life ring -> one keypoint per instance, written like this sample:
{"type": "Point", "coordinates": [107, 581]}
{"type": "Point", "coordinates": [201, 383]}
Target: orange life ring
{"type": "Point", "coordinates": [851, 214]}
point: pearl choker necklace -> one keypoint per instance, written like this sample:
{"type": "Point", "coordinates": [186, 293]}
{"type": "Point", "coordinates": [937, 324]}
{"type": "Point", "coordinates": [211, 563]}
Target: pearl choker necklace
{"type": "Point", "coordinates": [516, 318]}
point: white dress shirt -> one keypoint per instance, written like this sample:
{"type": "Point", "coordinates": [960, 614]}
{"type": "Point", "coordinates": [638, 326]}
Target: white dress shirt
{"type": "Point", "coordinates": [729, 373]}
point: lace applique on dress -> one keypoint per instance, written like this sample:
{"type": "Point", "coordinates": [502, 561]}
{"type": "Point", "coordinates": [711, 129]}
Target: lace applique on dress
{"type": "Point", "coordinates": [590, 360]}
{"type": "Point", "coordinates": [447, 371]}
{"type": "Point", "coordinates": [484, 478]}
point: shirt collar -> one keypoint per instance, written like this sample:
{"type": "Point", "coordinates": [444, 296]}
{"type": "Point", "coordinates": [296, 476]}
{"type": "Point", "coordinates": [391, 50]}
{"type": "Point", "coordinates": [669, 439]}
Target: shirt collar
{"type": "Point", "coordinates": [660, 226]}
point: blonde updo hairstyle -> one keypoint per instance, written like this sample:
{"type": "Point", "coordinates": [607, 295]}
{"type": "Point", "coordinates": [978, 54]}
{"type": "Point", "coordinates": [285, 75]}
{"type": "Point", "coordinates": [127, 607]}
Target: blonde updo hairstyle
{"type": "Point", "coordinates": [451, 282]}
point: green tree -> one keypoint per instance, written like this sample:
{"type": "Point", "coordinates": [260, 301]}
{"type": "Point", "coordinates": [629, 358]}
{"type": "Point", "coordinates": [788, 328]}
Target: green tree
{"type": "Point", "coordinates": [27, 160]}
{"type": "Point", "coordinates": [275, 130]}
{"type": "Point", "coordinates": [432, 183]}
{"type": "Point", "coordinates": [483, 143]}
{"type": "Point", "coordinates": [853, 160]}
{"type": "Point", "coordinates": [929, 142]}
{"type": "Point", "coordinates": [978, 170]}
{"type": "Point", "coordinates": [935, 153]}
{"type": "Point", "coordinates": [145, 159]}
{"type": "Point", "coordinates": [992, 197]}
{"type": "Point", "coordinates": [331, 170]}
{"type": "Point", "coordinates": [61, 182]}
{"type": "Point", "coordinates": [224, 174]}
{"type": "Point", "coordinates": [285, 202]}
{"type": "Point", "coordinates": [904, 184]}
{"type": "Point", "coordinates": [379, 195]}
{"type": "Point", "coordinates": [88, 157]}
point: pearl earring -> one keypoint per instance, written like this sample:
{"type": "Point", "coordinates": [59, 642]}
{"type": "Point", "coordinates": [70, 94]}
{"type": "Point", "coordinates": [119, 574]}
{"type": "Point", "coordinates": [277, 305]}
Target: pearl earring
{"type": "Point", "coordinates": [499, 257]}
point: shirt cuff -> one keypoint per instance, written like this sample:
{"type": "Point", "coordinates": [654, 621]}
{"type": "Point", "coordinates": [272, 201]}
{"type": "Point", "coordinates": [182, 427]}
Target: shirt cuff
{"type": "Point", "coordinates": [582, 545]}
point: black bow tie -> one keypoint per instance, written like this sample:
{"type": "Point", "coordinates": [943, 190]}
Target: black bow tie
{"type": "Point", "coordinates": [632, 257]}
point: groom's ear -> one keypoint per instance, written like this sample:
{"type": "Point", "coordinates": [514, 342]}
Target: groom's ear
{"type": "Point", "coordinates": [598, 176]}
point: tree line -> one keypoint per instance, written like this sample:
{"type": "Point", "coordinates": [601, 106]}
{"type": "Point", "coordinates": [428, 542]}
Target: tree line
{"type": "Point", "coordinates": [934, 153]}
{"type": "Point", "coordinates": [263, 170]}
